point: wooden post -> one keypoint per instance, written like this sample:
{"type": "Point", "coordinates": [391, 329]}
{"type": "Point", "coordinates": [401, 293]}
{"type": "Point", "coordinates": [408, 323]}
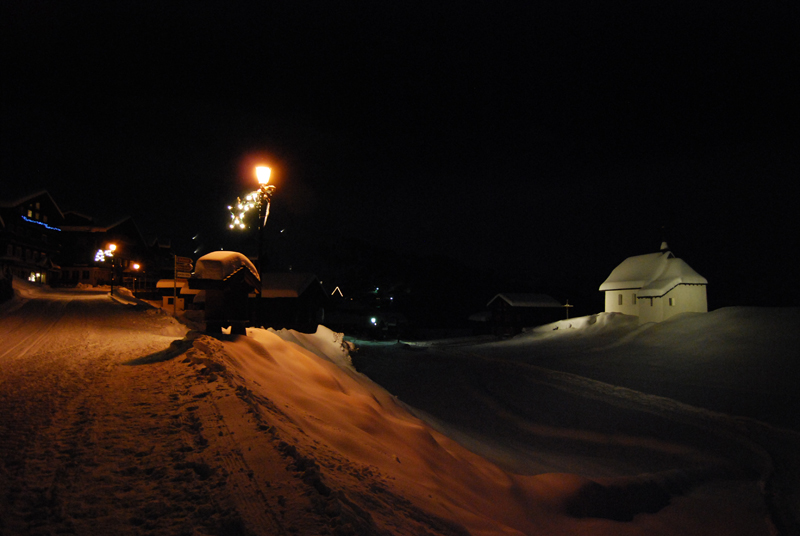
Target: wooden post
{"type": "Point", "coordinates": [175, 290]}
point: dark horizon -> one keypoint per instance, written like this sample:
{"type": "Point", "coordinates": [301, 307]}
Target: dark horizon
{"type": "Point", "coordinates": [541, 142]}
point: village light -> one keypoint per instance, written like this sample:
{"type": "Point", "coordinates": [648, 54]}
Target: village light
{"type": "Point", "coordinates": [262, 174]}
{"type": "Point", "coordinates": [260, 200]}
{"type": "Point", "coordinates": [135, 266]}
{"type": "Point", "coordinates": [101, 256]}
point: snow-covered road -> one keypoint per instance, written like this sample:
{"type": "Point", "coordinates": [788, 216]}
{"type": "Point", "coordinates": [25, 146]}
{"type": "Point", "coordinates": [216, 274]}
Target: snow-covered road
{"type": "Point", "coordinates": [54, 346]}
{"type": "Point", "coordinates": [56, 349]}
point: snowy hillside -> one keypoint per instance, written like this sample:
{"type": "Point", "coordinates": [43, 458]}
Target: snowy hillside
{"type": "Point", "coordinates": [276, 433]}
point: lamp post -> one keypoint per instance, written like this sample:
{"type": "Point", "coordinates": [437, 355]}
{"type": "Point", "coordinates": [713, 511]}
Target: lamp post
{"type": "Point", "coordinates": [265, 192]}
{"type": "Point", "coordinates": [135, 267]}
{"type": "Point", "coordinates": [110, 253]}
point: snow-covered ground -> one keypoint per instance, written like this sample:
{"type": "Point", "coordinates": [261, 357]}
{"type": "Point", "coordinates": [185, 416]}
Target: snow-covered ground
{"type": "Point", "coordinates": [121, 422]}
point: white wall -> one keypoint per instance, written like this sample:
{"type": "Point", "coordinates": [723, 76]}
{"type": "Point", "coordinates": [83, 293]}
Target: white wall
{"type": "Point", "coordinates": [685, 299]}
{"type": "Point", "coordinates": [629, 302]}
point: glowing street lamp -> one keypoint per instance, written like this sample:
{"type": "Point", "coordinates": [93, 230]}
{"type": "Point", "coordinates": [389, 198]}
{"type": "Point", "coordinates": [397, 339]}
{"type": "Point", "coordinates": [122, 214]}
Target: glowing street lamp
{"type": "Point", "coordinates": [262, 174]}
{"type": "Point", "coordinates": [135, 266]}
{"type": "Point", "coordinates": [260, 199]}
{"type": "Point", "coordinates": [110, 253]}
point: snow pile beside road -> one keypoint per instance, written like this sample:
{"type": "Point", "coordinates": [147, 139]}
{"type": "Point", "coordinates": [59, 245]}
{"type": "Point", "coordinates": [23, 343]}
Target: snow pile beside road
{"type": "Point", "coordinates": [360, 423]}
{"type": "Point", "coordinates": [360, 441]}
{"type": "Point", "coordinates": [325, 343]}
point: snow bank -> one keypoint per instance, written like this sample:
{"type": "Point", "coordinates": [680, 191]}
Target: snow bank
{"type": "Point", "coordinates": [351, 426]}
{"type": "Point", "coordinates": [325, 343]}
{"type": "Point", "coordinates": [590, 324]}
{"type": "Point", "coordinates": [361, 423]}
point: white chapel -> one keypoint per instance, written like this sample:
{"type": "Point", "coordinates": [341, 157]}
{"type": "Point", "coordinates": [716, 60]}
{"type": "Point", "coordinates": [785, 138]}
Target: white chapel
{"type": "Point", "coordinates": [654, 287]}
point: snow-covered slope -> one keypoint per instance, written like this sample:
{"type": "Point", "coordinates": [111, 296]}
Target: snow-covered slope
{"type": "Point", "coordinates": [331, 405]}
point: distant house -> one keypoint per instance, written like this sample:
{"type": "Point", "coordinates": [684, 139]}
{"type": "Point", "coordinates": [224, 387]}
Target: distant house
{"type": "Point", "coordinates": [291, 300]}
{"type": "Point", "coordinates": [30, 237]}
{"type": "Point", "coordinates": [168, 289]}
{"type": "Point", "coordinates": [81, 240]}
{"type": "Point", "coordinates": [510, 312]}
{"type": "Point", "coordinates": [654, 287]}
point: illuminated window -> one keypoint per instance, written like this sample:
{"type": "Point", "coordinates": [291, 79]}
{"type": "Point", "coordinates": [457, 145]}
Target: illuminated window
{"type": "Point", "coordinates": [619, 301]}
{"type": "Point", "coordinates": [44, 218]}
{"type": "Point", "coordinates": [37, 206]}
{"type": "Point", "coordinates": [30, 213]}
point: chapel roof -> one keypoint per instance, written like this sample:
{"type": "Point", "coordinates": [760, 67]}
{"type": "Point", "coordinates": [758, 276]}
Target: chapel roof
{"type": "Point", "coordinates": [653, 274]}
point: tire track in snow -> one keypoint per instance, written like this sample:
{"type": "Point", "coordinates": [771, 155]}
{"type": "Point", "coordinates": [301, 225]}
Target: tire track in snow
{"type": "Point", "coordinates": [211, 408]}
{"type": "Point", "coordinates": [32, 329]}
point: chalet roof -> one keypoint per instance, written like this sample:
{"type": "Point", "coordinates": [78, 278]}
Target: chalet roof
{"type": "Point", "coordinates": [526, 300]}
{"type": "Point", "coordinates": [652, 274]}
{"type": "Point", "coordinates": [73, 218]}
{"type": "Point", "coordinates": [30, 197]}
{"type": "Point", "coordinates": [88, 226]}
{"type": "Point", "coordinates": [181, 284]}
{"type": "Point", "coordinates": [286, 285]}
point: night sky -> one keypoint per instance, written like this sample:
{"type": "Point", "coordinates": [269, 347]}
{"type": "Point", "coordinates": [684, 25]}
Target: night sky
{"type": "Point", "coordinates": [547, 140]}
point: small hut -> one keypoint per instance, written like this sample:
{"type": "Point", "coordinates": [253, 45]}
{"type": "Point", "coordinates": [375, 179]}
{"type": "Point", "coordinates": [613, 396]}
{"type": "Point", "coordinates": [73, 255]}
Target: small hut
{"type": "Point", "coordinates": [227, 277]}
{"type": "Point", "coordinates": [510, 312]}
{"type": "Point", "coordinates": [291, 300]}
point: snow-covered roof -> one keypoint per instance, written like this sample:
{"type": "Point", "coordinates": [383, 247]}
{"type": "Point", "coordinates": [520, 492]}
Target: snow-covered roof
{"type": "Point", "coordinates": [526, 300]}
{"type": "Point", "coordinates": [653, 274]}
{"type": "Point", "coordinates": [220, 265]}
{"type": "Point", "coordinates": [286, 285]}
{"type": "Point", "coordinates": [171, 283]}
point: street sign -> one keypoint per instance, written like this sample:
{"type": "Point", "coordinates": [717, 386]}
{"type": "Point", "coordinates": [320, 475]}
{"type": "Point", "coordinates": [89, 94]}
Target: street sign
{"type": "Point", "coordinates": [183, 264]}
{"type": "Point", "coordinates": [183, 275]}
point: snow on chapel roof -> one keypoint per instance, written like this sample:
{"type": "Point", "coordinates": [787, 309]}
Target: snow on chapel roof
{"type": "Point", "coordinates": [654, 274]}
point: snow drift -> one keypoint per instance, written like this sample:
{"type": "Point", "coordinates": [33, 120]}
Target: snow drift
{"type": "Point", "coordinates": [334, 413]}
